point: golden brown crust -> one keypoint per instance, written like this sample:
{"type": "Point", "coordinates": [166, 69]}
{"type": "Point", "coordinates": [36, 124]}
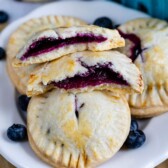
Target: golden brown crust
{"type": "Point", "coordinates": [149, 111]}
{"type": "Point", "coordinates": [152, 62]}
{"type": "Point", "coordinates": [19, 87]}
{"type": "Point", "coordinates": [41, 155]}
{"type": "Point", "coordinates": [112, 40]}
{"type": "Point", "coordinates": [41, 79]}
{"type": "Point", "coordinates": [17, 40]}
{"type": "Point", "coordinates": [62, 139]}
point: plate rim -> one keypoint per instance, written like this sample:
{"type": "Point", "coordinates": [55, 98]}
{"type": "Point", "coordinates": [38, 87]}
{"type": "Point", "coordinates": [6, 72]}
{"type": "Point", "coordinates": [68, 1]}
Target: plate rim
{"type": "Point", "coordinates": [38, 9]}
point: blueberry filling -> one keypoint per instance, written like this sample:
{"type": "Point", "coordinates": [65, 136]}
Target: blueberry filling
{"type": "Point", "coordinates": [96, 75]}
{"type": "Point", "coordinates": [44, 45]}
{"type": "Point", "coordinates": [76, 108]}
{"type": "Point", "coordinates": [136, 48]}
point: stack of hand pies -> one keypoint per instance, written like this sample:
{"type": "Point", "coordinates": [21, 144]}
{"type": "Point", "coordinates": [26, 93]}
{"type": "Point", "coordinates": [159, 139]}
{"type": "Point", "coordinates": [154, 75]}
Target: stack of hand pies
{"type": "Point", "coordinates": [78, 115]}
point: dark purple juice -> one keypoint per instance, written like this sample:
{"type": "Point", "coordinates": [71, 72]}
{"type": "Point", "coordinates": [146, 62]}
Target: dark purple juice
{"type": "Point", "coordinates": [45, 45]}
{"type": "Point", "coordinates": [95, 76]}
{"type": "Point", "coordinates": [136, 49]}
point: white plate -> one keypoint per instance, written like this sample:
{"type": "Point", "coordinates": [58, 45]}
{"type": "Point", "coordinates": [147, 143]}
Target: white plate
{"type": "Point", "coordinates": [154, 151]}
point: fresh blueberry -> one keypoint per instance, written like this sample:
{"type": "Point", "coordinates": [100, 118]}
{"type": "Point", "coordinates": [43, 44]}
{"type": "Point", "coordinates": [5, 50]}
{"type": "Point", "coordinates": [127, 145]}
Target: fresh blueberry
{"type": "Point", "coordinates": [135, 139]}
{"type": "Point", "coordinates": [2, 53]}
{"type": "Point", "coordinates": [142, 8]}
{"type": "Point", "coordinates": [134, 125]}
{"type": "Point", "coordinates": [116, 26]}
{"type": "Point", "coordinates": [17, 132]}
{"type": "Point", "coordinates": [23, 102]}
{"type": "Point", "coordinates": [3, 17]}
{"type": "Point", "coordinates": [104, 22]}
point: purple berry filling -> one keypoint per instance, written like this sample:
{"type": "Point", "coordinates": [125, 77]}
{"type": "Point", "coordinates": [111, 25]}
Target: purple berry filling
{"type": "Point", "coordinates": [76, 107]}
{"type": "Point", "coordinates": [136, 47]}
{"type": "Point", "coordinates": [95, 76]}
{"type": "Point", "coordinates": [44, 45]}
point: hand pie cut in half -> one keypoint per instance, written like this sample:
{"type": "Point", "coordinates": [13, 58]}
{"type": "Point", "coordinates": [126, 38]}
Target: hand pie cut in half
{"type": "Point", "coordinates": [87, 71]}
{"type": "Point", "coordinates": [53, 43]}
{"type": "Point", "coordinates": [19, 38]}
{"type": "Point", "coordinates": [146, 44]}
{"type": "Point", "coordinates": [71, 130]}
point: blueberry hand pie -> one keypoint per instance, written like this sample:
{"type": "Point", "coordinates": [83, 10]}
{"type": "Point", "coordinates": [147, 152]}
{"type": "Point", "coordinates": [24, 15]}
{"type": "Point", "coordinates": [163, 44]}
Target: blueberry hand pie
{"type": "Point", "coordinates": [146, 44]}
{"type": "Point", "coordinates": [72, 130]}
{"type": "Point", "coordinates": [86, 71]}
{"type": "Point", "coordinates": [18, 39]}
{"type": "Point", "coordinates": [53, 43]}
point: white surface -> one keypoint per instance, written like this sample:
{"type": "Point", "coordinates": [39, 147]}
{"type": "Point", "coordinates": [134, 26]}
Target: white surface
{"type": "Point", "coordinates": [17, 9]}
{"type": "Point", "coordinates": [154, 151]}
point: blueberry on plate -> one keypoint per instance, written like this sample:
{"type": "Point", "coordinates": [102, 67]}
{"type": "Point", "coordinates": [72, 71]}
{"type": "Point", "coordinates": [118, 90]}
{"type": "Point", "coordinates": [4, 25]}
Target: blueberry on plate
{"type": "Point", "coordinates": [135, 139]}
{"type": "Point", "coordinates": [23, 102]}
{"type": "Point", "coordinates": [116, 26]}
{"type": "Point", "coordinates": [2, 53]}
{"type": "Point", "coordinates": [134, 125]}
{"type": "Point", "coordinates": [3, 17]}
{"type": "Point", "coordinates": [17, 132]}
{"type": "Point", "coordinates": [104, 22]}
